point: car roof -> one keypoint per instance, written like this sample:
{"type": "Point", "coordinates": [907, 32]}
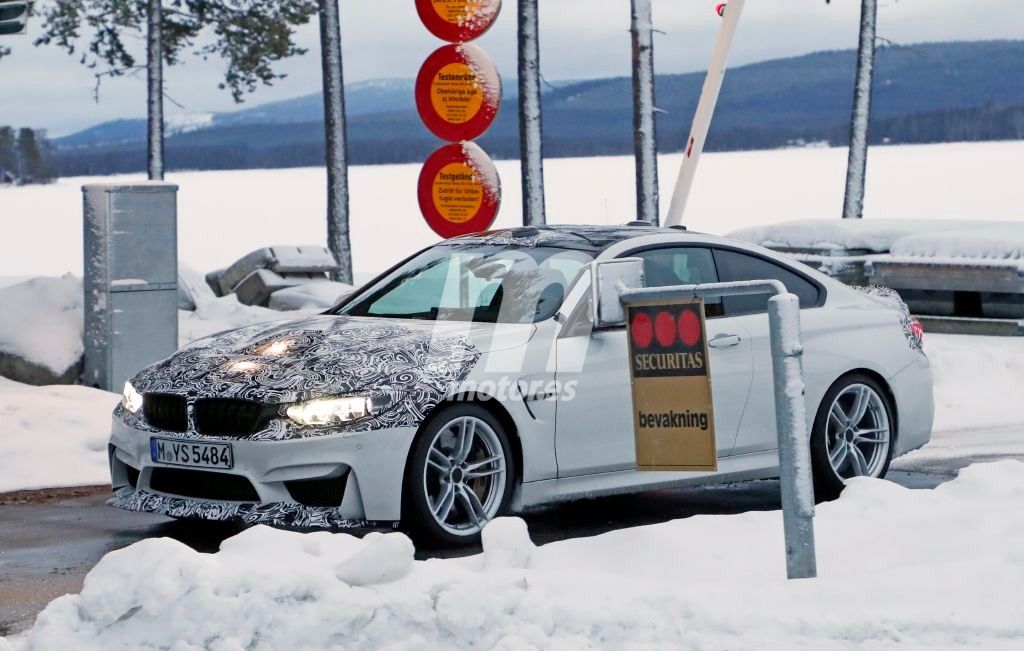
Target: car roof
{"type": "Point", "coordinates": [587, 237]}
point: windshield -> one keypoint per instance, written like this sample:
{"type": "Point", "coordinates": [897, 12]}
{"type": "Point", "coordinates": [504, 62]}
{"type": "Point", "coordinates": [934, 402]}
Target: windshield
{"type": "Point", "coordinates": [479, 283]}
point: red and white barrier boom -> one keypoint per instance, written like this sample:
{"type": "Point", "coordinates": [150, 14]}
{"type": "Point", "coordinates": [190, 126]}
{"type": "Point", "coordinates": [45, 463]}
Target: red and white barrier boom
{"type": "Point", "coordinates": [730, 12]}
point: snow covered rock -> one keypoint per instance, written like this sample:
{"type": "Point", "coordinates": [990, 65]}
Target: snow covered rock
{"type": "Point", "coordinates": [507, 544]}
{"type": "Point", "coordinates": [41, 322]}
{"type": "Point", "coordinates": [193, 289]}
{"type": "Point", "coordinates": [383, 559]}
{"type": "Point", "coordinates": [316, 296]}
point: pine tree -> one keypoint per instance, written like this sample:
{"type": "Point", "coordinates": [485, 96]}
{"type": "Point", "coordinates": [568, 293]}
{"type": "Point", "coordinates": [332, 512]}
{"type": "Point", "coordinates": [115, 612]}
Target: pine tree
{"type": "Point", "coordinates": [8, 155]}
{"type": "Point", "coordinates": [30, 160]}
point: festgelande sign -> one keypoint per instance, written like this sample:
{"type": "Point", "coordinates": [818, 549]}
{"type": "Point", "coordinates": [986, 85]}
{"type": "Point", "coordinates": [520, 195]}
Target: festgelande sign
{"type": "Point", "coordinates": [673, 416]}
{"type": "Point", "coordinates": [458, 93]}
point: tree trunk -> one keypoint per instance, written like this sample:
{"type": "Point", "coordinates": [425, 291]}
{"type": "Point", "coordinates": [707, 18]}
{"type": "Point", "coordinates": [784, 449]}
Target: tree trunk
{"type": "Point", "coordinates": [530, 142]}
{"type": "Point", "coordinates": [856, 171]}
{"type": "Point", "coordinates": [155, 91]}
{"type": "Point", "coordinates": [645, 147]}
{"type": "Point", "coordinates": [337, 146]}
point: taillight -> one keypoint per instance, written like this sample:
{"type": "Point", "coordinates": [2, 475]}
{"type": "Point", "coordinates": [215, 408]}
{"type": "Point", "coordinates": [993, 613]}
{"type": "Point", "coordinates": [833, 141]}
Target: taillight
{"type": "Point", "coordinates": [917, 329]}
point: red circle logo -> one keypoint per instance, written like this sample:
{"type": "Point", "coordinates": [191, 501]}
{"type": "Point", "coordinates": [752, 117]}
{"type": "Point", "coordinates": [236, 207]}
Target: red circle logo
{"type": "Point", "coordinates": [642, 330]}
{"type": "Point", "coordinates": [458, 92]}
{"type": "Point", "coordinates": [689, 328]}
{"type": "Point", "coordinates": [458, 22]}
{"type": "Point", "coordinates": [665, 329]}
{"type": "Point", "coordinates": [459, 190]}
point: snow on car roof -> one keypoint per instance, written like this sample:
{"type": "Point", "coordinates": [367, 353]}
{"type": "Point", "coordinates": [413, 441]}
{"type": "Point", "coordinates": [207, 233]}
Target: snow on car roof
{"type": "Point", "coordinates": [591, 238]}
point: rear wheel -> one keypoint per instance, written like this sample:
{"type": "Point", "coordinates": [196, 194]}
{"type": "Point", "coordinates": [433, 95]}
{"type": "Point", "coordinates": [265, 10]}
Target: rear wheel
{"type": "Point", "coordinates": [459, 477]}
{"type": "Point", "coordinates": [853, 436]}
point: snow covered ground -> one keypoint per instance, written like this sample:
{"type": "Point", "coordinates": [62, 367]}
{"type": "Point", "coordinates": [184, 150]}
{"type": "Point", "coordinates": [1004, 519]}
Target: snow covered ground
{"type": "Point", "coordinates": [224, 215]}
{"type": "Point", "coordinates": [53, 436]}
{"type": "Point", "coordinates": [934, 569]}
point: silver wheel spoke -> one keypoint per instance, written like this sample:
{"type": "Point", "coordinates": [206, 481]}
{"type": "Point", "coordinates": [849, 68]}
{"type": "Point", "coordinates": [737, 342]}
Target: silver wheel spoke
{"type": "Point", "coordinates": [444, 506]}
{"type": "Point", "coordinates": [836, 414]}
{"type": "Point", "coordinates": [881, 435]}
{"type": "Point", "coordinates": [838, 455]}
{"type": "Point", "coordinates": [438, 459]}
{"type": "Point", "coordinates": [467, 430]}
{"type": "Point", "coordinates": [470, 467]}
{"type": "Point", "coordinates": [860, 406]}
{"type": "Point", "coordinates": [860, 464]}
{"type": "Point", "coordinates": [476, 474]}
{"type": "Point", "coordinates": [473, 506]}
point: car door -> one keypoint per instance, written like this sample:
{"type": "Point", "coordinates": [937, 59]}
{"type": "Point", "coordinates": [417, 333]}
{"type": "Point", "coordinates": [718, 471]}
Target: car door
{"type": "Point", "coordinates": [594, 427]}
{"type": "Point", "coordinates": [757, 431]}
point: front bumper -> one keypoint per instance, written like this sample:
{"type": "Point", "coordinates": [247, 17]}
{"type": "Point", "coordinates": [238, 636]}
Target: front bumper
{"type": "Point", "coordinates": [370, 467]}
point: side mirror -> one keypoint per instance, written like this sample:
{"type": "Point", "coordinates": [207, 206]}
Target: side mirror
{"type": "Point", "coordinates": [611, 278]}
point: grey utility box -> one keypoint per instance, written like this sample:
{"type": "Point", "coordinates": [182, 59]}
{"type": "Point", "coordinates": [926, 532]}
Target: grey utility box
{"type": "Point", "coordinates": [131, 279]}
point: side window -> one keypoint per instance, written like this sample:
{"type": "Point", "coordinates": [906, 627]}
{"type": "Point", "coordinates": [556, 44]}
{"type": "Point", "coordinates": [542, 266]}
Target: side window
{"type": "Point", "coordinates": [733, 266]}
{"type": "Point", "coordinates": [682, 266]}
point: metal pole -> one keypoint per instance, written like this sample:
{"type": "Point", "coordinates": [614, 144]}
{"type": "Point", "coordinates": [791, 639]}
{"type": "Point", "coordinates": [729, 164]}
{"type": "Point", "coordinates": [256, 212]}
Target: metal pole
{"type": "Point", "coordinates": [796, 483]}
{"type": "Point", "coordinates": [857, 165]}
{"type": "Point", "coordinates": [155, 90]}
{"type": "Point", "coordinates": [645, 146]}
{"type": "Point", "coordinates": [530, 142]}
{"type": "Point", "coordinates": [705, 111]}
{"type": "Point", "coordinates": [337, 146]}
{"type": "Point", "coordinates": [791, 424]}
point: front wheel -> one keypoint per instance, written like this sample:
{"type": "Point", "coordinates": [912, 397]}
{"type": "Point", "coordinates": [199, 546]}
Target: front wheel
{"type": "Point", "coordinates": [459, 477]}
{"type": "Point", "coordinates": [853, 435]}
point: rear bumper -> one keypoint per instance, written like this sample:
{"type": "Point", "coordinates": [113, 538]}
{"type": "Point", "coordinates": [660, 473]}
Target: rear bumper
{"type": "Point", "coordinates": [368, 467]}
{"type": "Point", "coordinates": [915, 402]}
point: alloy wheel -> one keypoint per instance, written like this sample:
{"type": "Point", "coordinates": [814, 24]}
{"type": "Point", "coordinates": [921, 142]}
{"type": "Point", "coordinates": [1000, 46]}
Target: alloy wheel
{"type": "Point", "coordinates": [464, 475]}
{"type": "Point", "coordinates": [858, 433]}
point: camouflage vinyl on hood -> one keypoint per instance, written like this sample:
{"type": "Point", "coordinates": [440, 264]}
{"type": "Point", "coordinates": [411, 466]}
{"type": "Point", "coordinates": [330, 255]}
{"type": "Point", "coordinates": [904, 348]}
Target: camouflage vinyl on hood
{"type": "Point", "coordinates": [408, 366]}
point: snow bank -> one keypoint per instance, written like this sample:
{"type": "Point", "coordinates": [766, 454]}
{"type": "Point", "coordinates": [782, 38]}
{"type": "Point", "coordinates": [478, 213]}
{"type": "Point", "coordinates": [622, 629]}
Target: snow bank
{"type": "Point", "coordinates": [986, 241]}
{"type": "Point", "coordinates": [53, 436]}
{"type": "Point", "coordinates": [41, 321]}
{"type": "Point", "coordinates": [898, 568]}
{"type": "Point", "coordinates": [873, 235]}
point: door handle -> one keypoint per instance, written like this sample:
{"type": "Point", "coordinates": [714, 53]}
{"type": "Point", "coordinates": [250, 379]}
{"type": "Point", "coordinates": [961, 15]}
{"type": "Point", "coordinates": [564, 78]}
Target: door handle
{"type": "Point", "coordinates": [724, 341]}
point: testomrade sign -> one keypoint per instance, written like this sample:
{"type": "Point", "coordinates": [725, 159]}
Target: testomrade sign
{"type": "Point", "coordinates": [673, 419]}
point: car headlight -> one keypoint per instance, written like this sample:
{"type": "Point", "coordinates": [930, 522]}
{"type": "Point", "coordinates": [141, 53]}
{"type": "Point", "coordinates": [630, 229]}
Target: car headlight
{"type": "Point", "coordinates": [131, 399]}
{"type": "Point", "coordinates": [330, 411]}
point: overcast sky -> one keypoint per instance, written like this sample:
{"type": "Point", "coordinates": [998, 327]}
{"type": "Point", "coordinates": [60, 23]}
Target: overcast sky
{"type": "Point", "coordinates": [44, 87]}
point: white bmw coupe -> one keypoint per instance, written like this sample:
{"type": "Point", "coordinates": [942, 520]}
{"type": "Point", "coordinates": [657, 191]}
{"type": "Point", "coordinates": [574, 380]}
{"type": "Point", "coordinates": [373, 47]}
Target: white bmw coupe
{"type": "Point", "coordinates": [469, 381]}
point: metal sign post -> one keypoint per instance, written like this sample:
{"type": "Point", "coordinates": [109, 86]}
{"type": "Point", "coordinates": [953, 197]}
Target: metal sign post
{"type": "Point", "coordinates": [731, 13]}
{"type": "Point", "coordinates": [790, 411]}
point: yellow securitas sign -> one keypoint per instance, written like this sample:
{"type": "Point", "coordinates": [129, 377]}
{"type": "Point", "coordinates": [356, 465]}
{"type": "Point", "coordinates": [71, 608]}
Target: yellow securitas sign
{"type": "Point", "coordinates": [673, 418]}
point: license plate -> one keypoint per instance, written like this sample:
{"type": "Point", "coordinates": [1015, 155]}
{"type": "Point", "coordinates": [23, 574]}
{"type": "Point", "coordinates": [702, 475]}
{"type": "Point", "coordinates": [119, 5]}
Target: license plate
{"type": "Point", "coordinates": [199, 455]}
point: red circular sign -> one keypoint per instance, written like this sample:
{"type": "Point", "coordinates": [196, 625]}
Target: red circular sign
{"type": "Point", "coordinates": [458, 21]}
{"type": "Point", "coordinates": [459, 190]}
{"type": "Point", "coordinates": [458, 92]}
{"type": "Point", "coordinates": [689, 328]}
{"type": "Point", "coordinates": [665, 329]}
{"type": "Point", "coordinates": [642, 330]}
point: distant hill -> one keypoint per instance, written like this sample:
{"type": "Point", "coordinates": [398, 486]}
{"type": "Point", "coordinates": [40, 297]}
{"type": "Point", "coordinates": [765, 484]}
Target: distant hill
{"type": "Point", "coordinates": [923, 93]}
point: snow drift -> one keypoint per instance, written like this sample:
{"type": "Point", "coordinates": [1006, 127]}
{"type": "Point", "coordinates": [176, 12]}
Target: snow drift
{"type": "Point", "coordinates": [898, 567]}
